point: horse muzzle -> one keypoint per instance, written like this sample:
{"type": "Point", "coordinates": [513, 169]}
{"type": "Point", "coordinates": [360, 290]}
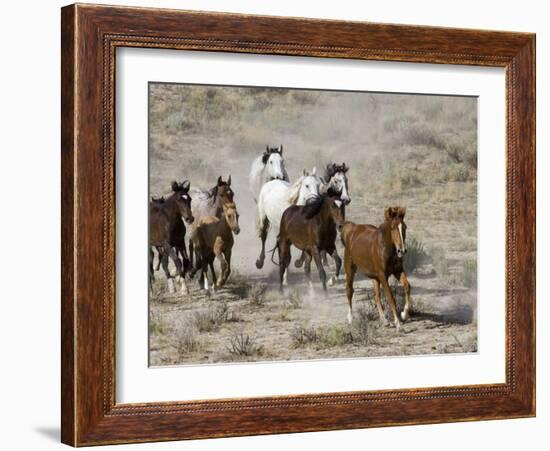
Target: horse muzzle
{"type": "Point", "coordinates": [236, 230]}
{"type": "Point", "coordinates": [189, 220]}
{"type": "Point", "coordinates": [401, 252]}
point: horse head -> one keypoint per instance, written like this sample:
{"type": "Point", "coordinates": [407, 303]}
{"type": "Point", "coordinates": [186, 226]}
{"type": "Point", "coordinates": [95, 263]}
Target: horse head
{"type": "Point", "coordinates": [305, 189]}
{"type": "Point", "coordinates": [273, 162]}
{"type": "Point", "coordinates": [223, 191]}
{"type": "Point", "coordinates": [232, 217]}
{"type": "Point", "coordinates": [335, 180]}
{"type": "Point", "coordinates": [395, 218]}
{"type": "Point", "coordinates": [183, 200]}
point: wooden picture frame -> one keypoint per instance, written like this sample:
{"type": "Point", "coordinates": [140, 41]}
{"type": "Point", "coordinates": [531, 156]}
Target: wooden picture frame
{"type": "Point", "coordinates": [90, 35]}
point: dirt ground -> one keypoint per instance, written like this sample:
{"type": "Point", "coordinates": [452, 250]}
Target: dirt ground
{"type": "Point", "coordinates": [248, 319]}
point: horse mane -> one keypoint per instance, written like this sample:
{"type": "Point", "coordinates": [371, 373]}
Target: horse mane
{"type": "Point", "coordinates": [294, 192]}
{"type": "Point", "coordinates": [313, 206]}
{"type": "Point", "coordinates": [333, 168]}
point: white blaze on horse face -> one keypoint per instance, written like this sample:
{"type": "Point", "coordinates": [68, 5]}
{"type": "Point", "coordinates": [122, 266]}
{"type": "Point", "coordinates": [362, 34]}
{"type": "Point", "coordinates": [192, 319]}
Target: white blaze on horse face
{"type": "Point", "coordinates": [402, 250]}
{"type": "Point", "coordinates": [341, 186]}
{"type": "Point", "coordinates": [275, 167]}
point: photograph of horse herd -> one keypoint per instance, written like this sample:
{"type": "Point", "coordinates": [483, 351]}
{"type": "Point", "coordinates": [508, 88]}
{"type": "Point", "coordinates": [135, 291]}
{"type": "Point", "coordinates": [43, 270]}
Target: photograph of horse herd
{"type": "Point", "coordinates": [293, 224]}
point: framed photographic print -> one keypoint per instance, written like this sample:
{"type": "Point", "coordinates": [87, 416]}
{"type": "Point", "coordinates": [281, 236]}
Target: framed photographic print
{"type": "Point", "coordinates": [280, 225]}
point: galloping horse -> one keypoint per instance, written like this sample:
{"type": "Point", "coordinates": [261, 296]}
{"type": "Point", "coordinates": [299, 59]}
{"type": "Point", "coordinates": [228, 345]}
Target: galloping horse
{"type": "Point", "coordinates": [378, 253]}
{"type": "Point", "coordinates": [214, 237]}
{"type": "Point", "coordinates": [275, 197]}
{"type": "Point", "coordinates": [209, 203]}
{"type": "Point", "coordinates": [268, 166]}
{"type": "Point", "coordinates": [312, 229]}
{"type": "Point", "coordinates": [167, 232]}
{"type": "Point", "coordinates": [335, 180]}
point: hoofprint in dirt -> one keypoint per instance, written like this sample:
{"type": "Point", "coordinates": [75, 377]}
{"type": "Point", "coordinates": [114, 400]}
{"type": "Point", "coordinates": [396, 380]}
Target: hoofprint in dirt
{"type": "Point", "coordinates": [249, 320]}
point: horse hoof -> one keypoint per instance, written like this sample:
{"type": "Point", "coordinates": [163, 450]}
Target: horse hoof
{"type": "Point", "coordinates": [405, 315]}
{"type": "Point", "coordinates": [298, 263]}
{"type": "Point", "coordinates": [259, 264]}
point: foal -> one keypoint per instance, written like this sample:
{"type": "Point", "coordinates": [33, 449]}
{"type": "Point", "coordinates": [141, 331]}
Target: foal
{"type": "Point", "coordinates": [378, 253]}
{"type": "Point", "coordinates": [214, 239]}
{"type": "Point", "coordinates": [312, 229]}
{"type": "Point", "coordinates": [167, 232]}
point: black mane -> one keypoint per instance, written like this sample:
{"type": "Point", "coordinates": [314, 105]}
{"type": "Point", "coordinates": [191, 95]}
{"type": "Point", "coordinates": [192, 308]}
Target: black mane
{"type": "Point", "coordinates": [333, 168]}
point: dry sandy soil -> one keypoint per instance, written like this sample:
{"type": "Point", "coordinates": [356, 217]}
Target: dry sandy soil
{"type": "Point", "coordinates": [409, 164]}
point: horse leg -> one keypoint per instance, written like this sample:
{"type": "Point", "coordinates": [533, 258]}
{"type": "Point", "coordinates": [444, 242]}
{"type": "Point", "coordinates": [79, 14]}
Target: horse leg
{"type": "Point", "coordinates": [184, 267]}
{"type": "Point", "coordinates": [350, 275]}
{"type": "Point", "coordinates": [408, 305]}
{"type": "Point", "coordinates": [298, 263]}
{"type": "Point", "coordinates": [164, 262]}
{"type": "Point", "coordinates": [320, 268]}
{"type": "Point", "coordinates": [191, 249]}
{"type": "Point", "coordinates": [391, 302]}
{"type": "Point", "coordinates": [263, 236]}
{"type": "Point", "coordinates": [338, 262]}
{"type": "Point", "coordinates": [228, 260]}
{"type": "Point", "coordinates": [307, 268]}
{"type": "Point", "coordinates": [159, 251]}
{"type": "Point", "coordinates": [212, 269]}
{"type": "Point", "coordinates": [324, 258]}
{"type": "Point", "coordinates": [284, 260]}
{"type": "Point", "coordinates": [151, 269]}
{"type": "Point", "coordinates": [381, 314]}
{"type": "Point", "coordinates": [218, 252]}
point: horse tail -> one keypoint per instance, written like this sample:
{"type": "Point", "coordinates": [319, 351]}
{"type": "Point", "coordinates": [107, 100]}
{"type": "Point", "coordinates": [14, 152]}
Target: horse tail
{"type": "Point", "coordinates": [273, 253]}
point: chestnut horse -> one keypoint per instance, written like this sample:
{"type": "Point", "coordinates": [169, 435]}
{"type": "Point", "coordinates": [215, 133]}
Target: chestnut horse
{"type": "Point", "coordinates": [167, 231]}
{"type": "Point", "coordinates": [378, 253]}
{"type": "Point", "coordinates": [312, 229]}
{"type": "Point", "coordinates": [214, 239]}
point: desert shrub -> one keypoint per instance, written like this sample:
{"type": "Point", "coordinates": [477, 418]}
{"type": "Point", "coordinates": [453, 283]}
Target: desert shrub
{"type": "Point", "coordinates": [363, 315]}
{"type": "Point", "coordinates": [302, 336]}
{"type": "Point", "coordinates": [157, 324]}
{"type": "Point", "coordinates": [457, 173]}
{"type": "Point", "coordinates": [469, 273]}
{"type": "Point", "coordinates": [335, 335]}
{"type": "Point", "coordinates": [462, 150]}
{"type": "Point", "coordinates": [416, 255]}
{"type": "Point", "coordinates": [256, 294]}
{"type": "Point", "coordinates": [243, 345]}
{"type": "Point", "coordinates": [187, 340]}
{"type": "Point", "coordinates": [211, 318]}
{"type": "Point", "coordinates": [295, 300]}
{"type": "Point", "coordinates": [439, 260]}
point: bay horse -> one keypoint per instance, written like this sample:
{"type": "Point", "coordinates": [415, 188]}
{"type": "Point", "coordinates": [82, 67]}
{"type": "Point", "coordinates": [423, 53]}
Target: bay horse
{"type": "Point", "coordinates": [167, 232]}
{"type": "Point", "coordinates": [265, 167]}
{"type": "Point", "coordinates": [207, 203]}
{"type": "Point", "coordinates": [312, 229]}
{"type": "Point", "coordinates": [378, 253]}
{"type": "Point", "coordinates": [214, 238]}
{"type": "Point", "coordinates": [335, 180]}
{"type": "Point", "coordinates": [275, 197]}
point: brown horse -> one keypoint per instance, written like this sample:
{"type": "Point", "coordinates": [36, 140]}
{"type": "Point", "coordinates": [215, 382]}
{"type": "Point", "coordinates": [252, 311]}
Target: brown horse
{"type": "Point", "coordinates": [167, 231]}
{"type": "Point", "coordinates": [378, 253]}
{"type": "Point", "coordinates": [312, 229]}
{"type": "Point", "coordinates": [214, 239]}
{"type": "Point", "coordinates": [208, 203]}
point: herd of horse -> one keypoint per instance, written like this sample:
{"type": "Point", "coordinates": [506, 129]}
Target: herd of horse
{"type": "Point", "coordinates": [307, 214]}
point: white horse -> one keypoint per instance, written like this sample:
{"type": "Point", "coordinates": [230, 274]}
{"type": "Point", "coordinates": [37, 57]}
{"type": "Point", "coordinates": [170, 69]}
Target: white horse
{"type": "Point", "coordinates": [275, 197]}
{"type": "Point", "coordinates": [268, 166]}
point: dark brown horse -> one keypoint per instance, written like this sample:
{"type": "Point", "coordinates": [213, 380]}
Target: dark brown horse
{"type": "Point", "coordinates": [378, 253]}
{"type": "Point", "coordinates": [312, 229]}
{"type": "Point", "coordinates": [214, 239]}
{"type": "Point", "coordinates": [167, 232]}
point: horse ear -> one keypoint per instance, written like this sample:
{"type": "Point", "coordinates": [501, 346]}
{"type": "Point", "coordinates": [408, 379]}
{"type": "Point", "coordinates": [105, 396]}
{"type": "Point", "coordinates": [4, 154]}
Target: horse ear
{"type": "Point", "coordinates": [389, 214]}
{"type": "Point", "coordinates": [186, 185]}
{"type": "Point", "coordinates": [314, 171]}
{"type": "Point", "coordinates": [267, 148]}
{"type": "Point", "coordinates": [219, 180]}
{"type": "Point", "coordinates": [229, 180]}
{"type": "Point", "coordinates": [344, 168]}
{"type": "Point", "coordinates": [401, 212]}
{"type": "Point", "coordinates": [305, 173]}
{"type": "Point", "coordinates": [265, 157]}
{"type": "Point", "coordinates": [175, 186]}
{"type": "Point", "coordinates": [281, 150]}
